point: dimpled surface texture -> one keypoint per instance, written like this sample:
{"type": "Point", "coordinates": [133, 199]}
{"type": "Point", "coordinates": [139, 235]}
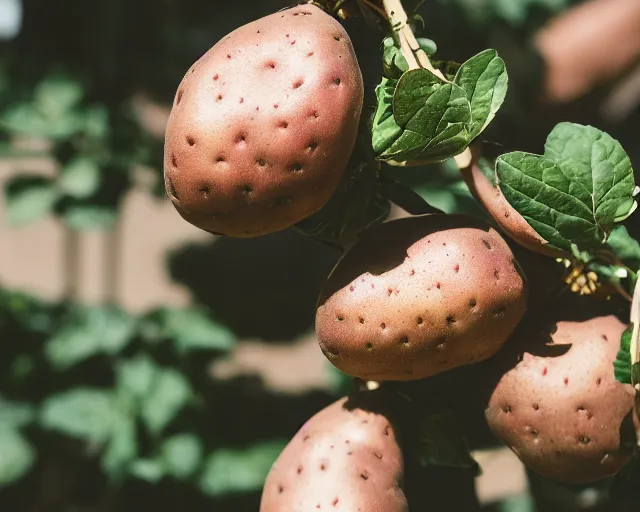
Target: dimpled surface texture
{"type": "Point", "coordinates": [419, 296]}
{"type": "Point", "coordinates": [563, 416]}
{"type": "Point", "coordinates": [507, 217]}
{"type": "Point", "coordinates": [263, 124]}
{"type": "Point", "coordinates": [341, 459]}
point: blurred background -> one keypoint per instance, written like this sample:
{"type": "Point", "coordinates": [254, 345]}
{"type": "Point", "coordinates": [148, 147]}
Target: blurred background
{"type": "Point", "coordinates": [145, 363]}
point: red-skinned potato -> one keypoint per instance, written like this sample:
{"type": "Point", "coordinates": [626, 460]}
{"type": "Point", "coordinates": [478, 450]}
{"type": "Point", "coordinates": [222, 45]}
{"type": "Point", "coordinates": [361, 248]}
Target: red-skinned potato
{"type": "Point", "coordinates": [505, 215]}
{"type": "Point", "coordinates": [566, 417]}
{"type": "Point", "coordinates": [418, 296]}
{"type": "Point", "coordinates": [344, 458]}
{"type": "Point", "coordinates": [263, 125]}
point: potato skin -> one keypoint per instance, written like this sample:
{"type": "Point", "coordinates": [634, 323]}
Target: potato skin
{"type": "Point", "coordinates": [344, 458]}
{"type": "Point", "coordinates": [418, 296]}
{"type": "Point", "coordinates": [507, 217]}
{"type": "Point", "coordinates": [566, 417]}
{"type": "Point", "coordinates": [263, 125]}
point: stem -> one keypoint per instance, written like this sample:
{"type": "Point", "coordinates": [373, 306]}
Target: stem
{"type": "Point", "coordinates": [375, 8]}
{"type": "Point", "coordinates": [405, 198]}
{"type": "Point", "coordinates": [464, 159]}
{"type": "Point", "coordinates": [415, 56]}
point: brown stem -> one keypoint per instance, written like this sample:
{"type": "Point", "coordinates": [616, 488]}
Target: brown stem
{"type": "Point", "coordinates": [375, 8]}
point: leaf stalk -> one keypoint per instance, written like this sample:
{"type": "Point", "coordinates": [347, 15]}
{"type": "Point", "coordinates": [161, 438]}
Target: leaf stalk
{"type": "Point", "coordinates": [415, 56]}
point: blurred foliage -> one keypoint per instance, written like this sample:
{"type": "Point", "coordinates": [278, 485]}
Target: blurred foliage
{"type": "Point", "coordinates": [130, 395]}
{"type": "Point", "coordinates": [104, 410]}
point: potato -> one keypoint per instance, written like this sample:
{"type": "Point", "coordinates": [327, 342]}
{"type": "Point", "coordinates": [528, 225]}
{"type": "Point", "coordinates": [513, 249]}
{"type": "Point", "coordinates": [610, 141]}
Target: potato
{"type": "Point", "coordinates": [566, 417]}
{"type": "Point", "coordinates": [263, 125]}
{"type": "Point", "coordinates": [505, 215]}
{"type": "Point", "coordinates": [344, 458]}
{"type": "Point", "coordinates": [418, 296]}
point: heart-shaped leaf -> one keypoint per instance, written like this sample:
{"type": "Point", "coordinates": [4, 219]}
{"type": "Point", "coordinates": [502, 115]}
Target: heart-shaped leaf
{"type": "Point", "coordinates": [485, 80]}
{"type": "Point", "coordinates": [434, 117]}
{"type": "Point", "coordinates": [599, 169]}
{"type": "Point", "coordinates": [576, 193]}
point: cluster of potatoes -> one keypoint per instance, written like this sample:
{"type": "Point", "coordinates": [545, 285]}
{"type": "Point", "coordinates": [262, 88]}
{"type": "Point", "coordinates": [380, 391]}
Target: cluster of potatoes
{"type": "Point", "coordinates": [259, 137]}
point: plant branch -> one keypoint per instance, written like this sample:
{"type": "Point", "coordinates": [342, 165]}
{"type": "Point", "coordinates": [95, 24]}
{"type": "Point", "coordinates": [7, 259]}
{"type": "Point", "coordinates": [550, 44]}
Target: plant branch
{"type": "Point", "coordinates": [415, 56]}
{"type": "Point", "coordinates": [375, 8]}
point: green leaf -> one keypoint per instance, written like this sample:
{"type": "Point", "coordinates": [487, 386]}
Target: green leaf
{"type": "Point", "coordinates": [31, 314]}
{"type": "Point", "coordinates": [96, 121]}
{"type": "Point", "coordinates": [16, 455]}
{"type": "Point", "coordinates": [428, 45]}
{"type": "Point", "coordinates": [27, 118]}
{"type": "Point", "coordinates": [522, 502]}
{"type": "Point", "coordinates": [622, 364]}
{"type": "Point", "coordinates": [385, 130]}
{"type": "Point", "coordinates": [134, 377]}
{"type": "Point", "coordinates": [574, 194]}
{"type": "Point", "coordinates": [540, 191]}
{"type": "Point", "coordinates": [442, 442]}
{"type": "Point", "coordinates": [57, 94]}
{"type": "Point", "coordinates": [599, 169]}
{"type": "Point", "coordinates": [80, 178]}
{"type": "Point", "coordinates": [149, 470]}
{"type": "Point", "coordinates": [22, 366]}
{"type": "Point", "coordinates": [192, 329]}
{"type": "Point", "coordinates": [84, 413]}
{"type": "Point", "coordinates": [394, 64]}
{"type": "Point", "coordinates": [28, 198]}
{"type": "Point", "coordinates": [625, 247]}
{"type": "Point", "coordinates": [88, 332]}
{"type": "Point", "coordinates": [235, 471]}
{"type": "Point", "coordinates": [169, 393]}
{"type": "Point", "coordinates": [518, 12]}
{"type": "Point", "coordinates": [390, 52]}
{"type": "Point", "coordinates": [484, 79]}
{"type": "Point", "coordinates": [52, 112]}
{"type": "Point", "coordinates": [182, 455]}
{"type": "Point", "coordinates": [434, 117]}
{"type": "Point", "coordinates": [84, 216]}
{"type": "Point", "coordinates": [614, 275]}
{"type": "Point", "coordinates": [122, 448]}
{"type": "Point", "coordinates": [15, 414]}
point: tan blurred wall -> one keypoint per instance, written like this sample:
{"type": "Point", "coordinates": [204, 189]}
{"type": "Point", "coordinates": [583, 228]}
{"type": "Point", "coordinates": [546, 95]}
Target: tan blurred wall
{"type": "Point", "coordinates": [32, 257]}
